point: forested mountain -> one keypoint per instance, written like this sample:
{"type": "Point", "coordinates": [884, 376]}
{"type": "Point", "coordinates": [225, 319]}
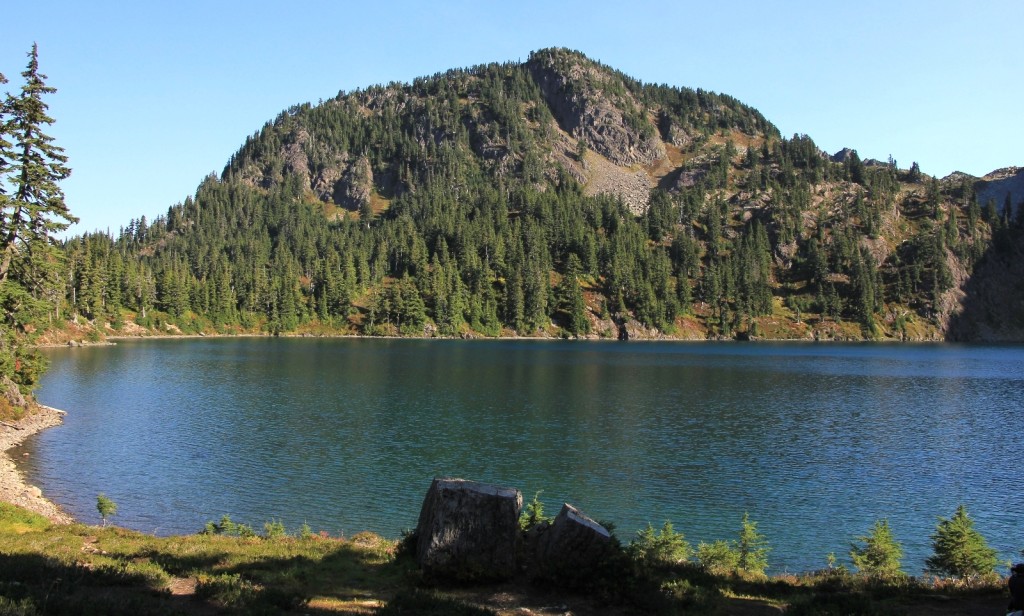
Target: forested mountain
{"type": "Point", "coordinates": [558, 197]}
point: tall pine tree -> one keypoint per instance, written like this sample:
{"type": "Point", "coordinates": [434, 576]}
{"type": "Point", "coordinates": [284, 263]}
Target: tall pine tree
{"type": "Point", "coordinates": [35, 207]}
{"type": "Point", "coordinates": [31, 209]}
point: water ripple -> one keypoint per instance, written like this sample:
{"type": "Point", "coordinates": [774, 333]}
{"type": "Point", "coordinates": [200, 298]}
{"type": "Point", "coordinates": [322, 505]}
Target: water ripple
{"type": "Point", "coordinates": [814, 441]}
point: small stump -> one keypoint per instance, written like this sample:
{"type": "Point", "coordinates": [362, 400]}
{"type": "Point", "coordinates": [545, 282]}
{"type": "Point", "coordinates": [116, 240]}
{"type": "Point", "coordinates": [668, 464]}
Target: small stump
{"type": "Point", "coordinates": [573, 547]}
{"type": "Point", "coordinates": [467, 530]}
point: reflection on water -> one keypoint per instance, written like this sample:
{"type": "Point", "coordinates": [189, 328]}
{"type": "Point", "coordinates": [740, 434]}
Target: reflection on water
{"type": "Point", "coordinates": [814, 441]}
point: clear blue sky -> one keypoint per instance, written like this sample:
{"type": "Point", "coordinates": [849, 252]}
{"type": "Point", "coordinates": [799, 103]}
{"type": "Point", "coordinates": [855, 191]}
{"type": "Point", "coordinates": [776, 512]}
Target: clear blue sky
{"type": "Point", "coordinates": [154, 96]}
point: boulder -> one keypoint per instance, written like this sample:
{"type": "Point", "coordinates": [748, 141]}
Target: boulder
{"type": "Point", "coordinates": [468, 531]}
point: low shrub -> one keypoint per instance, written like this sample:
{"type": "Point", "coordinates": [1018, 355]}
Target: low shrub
{"type": "Point", "coordinates": [274, 529]}
{"type": "Point", "coordinates": [718, 557]}
{"type": "Point", "coordinates": [229, 528]}
{"type": "Point", "coordinates": [662, 547]}
{"type": "Point", "coordinates": [228, 590]}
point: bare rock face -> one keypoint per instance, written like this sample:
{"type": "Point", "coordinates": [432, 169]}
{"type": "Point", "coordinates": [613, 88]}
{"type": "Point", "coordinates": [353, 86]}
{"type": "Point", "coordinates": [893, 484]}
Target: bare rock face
{"type": "Point", "coordinates": [632, 329]}
{"type": "Point", "coordinates": [337, 178]}
{"type": "Point", "coordinates": [468, 530]}
{"type": "Point", "coordinates": [1000, 183]}
{"type": "Point", "coordinates": [592, 104]}
{"type": "Point", "coordinates": [352, 191]}
{"type": "Point", "coordinates": [842, 155]}
{"type": "Point", "coordinates": [679, 137]}
{"type": "Point", "coordinates": [327, 178]}
{"type": "Point", "coordinates": [689, 178]}
{"type": "Point", "coordinates": [9, 390]}
{"type": "Point", "coordinates": [572, 547]}
{"type": "Point", "coordinates": [296, 161]}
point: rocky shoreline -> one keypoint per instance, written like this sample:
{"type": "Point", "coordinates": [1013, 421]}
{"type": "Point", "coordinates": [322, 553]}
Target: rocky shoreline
{"type": "Point", "coordinates": [13, 488]}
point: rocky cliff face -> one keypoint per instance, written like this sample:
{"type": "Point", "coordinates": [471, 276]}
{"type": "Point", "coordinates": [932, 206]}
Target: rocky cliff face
{"type": "Point", "coordinates": [338, 178]}
{"type": "Point", "coordinates": [992, 305]}
{"type": "Point", "coordinates": [594, 106]}
{"type": "Point", "coordinates": [1000, 184]}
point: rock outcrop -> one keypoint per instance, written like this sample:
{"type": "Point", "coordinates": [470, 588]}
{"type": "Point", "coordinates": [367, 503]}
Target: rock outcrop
{"type": "Point", "coordinates": [342, 180]}
{"type": "Point", "coordinates": [352, 191]}
{"type": "Point", "coordinates": [595, 106]}
{"type": "Point", "coordinates": [10, 392]}
{"type": "Point", "coordinates": [843, 155]}
{"type": "Point", "coordinates": [997, 185]}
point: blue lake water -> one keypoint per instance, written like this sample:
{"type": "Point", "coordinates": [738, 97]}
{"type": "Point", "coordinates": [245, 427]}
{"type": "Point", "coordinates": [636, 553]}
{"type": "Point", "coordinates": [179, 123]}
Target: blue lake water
{"type": "Point", "coordinates": [815, 441]}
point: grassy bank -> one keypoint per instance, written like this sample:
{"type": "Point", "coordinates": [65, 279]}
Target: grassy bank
{"type": "Point", "coordinates": [78, 569]}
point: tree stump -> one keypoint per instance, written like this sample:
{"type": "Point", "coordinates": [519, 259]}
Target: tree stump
{"type": "Point", "coordinates": [572, 547]}
{"type": "Point", "coordinates": [468, 530]}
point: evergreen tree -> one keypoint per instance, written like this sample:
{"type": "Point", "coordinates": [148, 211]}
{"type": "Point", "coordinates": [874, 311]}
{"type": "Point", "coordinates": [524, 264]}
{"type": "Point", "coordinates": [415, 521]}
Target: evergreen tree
{"type": "Point", "coordinates": [35, 208]}
{"type": "Point", "coordinates": [959, 549]}
{"type": "Point", "coordinates": [413, 308]}
{"type": "Point", "coordinates": [752, 548]}
{"type": "Point", "coordinates": [661, 547]}
{"type": "Point", "coordinates": [31, 209]}
{"type": "Point", "coordinates": [105, 507]}
{"type": "Point", "coordinates": [879, 553]}
{"type": "Point", "coordinates": [914, 175]}
{"type": "Point", "coordinates": [571, 300]}
{"type": "Point", "coordinates": [6, 153]}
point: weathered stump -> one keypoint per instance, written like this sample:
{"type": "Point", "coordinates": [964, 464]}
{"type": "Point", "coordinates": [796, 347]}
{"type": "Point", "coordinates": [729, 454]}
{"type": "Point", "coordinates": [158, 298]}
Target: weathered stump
{"type": "Point", "coordinates": [468, 530]}
{"type": "Point", "coordinates": [572, 547]}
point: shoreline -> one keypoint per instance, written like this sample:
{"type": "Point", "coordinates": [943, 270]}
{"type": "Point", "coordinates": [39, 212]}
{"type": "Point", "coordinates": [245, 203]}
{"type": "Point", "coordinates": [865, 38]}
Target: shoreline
{"type": "Point", "coordinates": [13, 487]}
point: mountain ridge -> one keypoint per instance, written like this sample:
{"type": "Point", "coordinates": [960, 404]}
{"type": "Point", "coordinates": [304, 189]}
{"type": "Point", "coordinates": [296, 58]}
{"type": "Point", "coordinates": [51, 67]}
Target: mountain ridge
{"type": "Point", "coordinates": [488, 187]}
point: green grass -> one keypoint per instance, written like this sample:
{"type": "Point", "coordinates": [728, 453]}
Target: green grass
{"type": "Point", "coordinates": [77, 569]}
{"type": "Point", "coordinates": [17, 521]}
{"type": "Point", "coordinates": [81, 569]}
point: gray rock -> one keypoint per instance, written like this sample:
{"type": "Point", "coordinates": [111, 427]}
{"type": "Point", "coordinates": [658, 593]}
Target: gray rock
{"type": "Point", "coordinates": [9, 390]}
{"type": "Point", "coordinates": [589, 106]}
{"type": "Point", "coordinates": [996, 185]}
{"type": "Point", "coordinates": [468, 530]}
{"type": "Point", "coordinates": [679, 137]}
{"type": "Point", "coordinates": [295, 158]}
{"type": "Point", "coordinates": [323, 184]}
{"type": "Point", "coordinates": [842, 155]}
{"type": "Point", "coordinates": [352, 191]}
{"type": "Point", "coordinates": [689, 178]}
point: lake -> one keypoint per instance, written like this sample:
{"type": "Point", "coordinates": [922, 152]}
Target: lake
{"type": "Point", "coordinates": [815, 441]}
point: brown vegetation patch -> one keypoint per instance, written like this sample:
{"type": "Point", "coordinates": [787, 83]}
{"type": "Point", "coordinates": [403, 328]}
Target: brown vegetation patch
{"type": "Point", "coordinates": [379, 204]}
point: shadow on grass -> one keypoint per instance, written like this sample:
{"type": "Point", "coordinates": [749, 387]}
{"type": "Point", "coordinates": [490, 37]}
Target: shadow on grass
{"type": "Point", "coordinates": [219, 581]}
{"type": "Point", "coordinates": [36, 584]}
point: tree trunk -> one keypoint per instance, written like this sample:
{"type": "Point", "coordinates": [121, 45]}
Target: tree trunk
{"type": "Point", "coordinates": [571, 548]}
{"type": "Point", "coordinates": [468, 530]}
